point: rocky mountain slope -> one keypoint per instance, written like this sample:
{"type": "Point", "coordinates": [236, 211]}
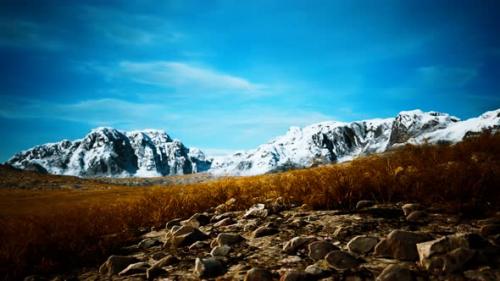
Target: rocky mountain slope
{"type": "Point", "coordinates": [278, 241]}
{"type": "Point", "coordinates": [109, 152]}
{"type": "Point", "coordinates": [328, 142]}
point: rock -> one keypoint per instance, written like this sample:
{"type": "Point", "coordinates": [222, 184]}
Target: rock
{"type": "Point", "coordinates": [317, 271]}
{"type": "Point", "coordinates": [158, 256]}
{"type": "Point", "coordinates": [228, 239]}
{"type": "Point", "coordinates": [450, 253]}
{"type": "Point", "coordinates": [197, 220]}
{"type": "Point", "coordinates": [220, 251]}
{"type": "Point", "coordinates": [172, 223]}
{"type": "Point", "coordinates": [199, 245]}
{"type": "Point", "coordinates": [264, 231]}
{"type": "Point", "coordinates": [148, 243]}
{"type": "Point", "coordinates": [319, 249]}
{"type": "Point", "coordinates": [490, 229]}
{"type": "Point", "coordinates": [157, 268]}
{"type": "Point", "coordinates": [341, 260]}
{"type": "Point", "coordinates": [115, 264]}
{"type": "Point", "coordinates": [410, 207]}
{"type": "Point", "coordinates": [456, 259]}
{"type": "Point", "coordinates": [134, 268]}
{"type": "Point", "coordinates": [362, 244]}
{"type": "Point", "coordinates": [401, 245]}
{"type": "Point", "coordinates": [224, 207]}
{"type": "Point", "coordinates": [296, 243]}
{"type": "Point", "coordinates": [208, 267]}
{"type": "Point", "coordinates": [395, 272]}
{"type": "Point", "coordinates": [416, 216]}
{"type": "Point", "coordinates": [187, 235]}
{"type": "Point", "coordinates": [258, 274]}
{"type": "Point", "coordinates": [449, 243]}
{"type": "Point", "coordinates": [224, 222]}
{"type": "Point", "coordinates": [256, 211]}
{"type": "Point", "coordinates": [364, 204]}
{"type": "Point", "coordinates": [295, 275]}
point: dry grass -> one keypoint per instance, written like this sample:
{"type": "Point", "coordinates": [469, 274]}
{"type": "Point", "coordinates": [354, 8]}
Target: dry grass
{"type": "Point", "coordinates": [60, 233]}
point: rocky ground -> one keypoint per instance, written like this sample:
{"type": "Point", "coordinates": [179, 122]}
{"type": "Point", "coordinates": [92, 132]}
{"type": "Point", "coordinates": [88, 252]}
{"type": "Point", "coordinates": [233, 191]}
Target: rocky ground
{"type": "Point", "coordinates": [274, 241]}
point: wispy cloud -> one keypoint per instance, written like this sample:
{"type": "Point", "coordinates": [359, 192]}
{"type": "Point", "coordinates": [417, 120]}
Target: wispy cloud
{"type": "Point", "coordinates": [30, 34]}
{"type": "Point", "coordinates": [445, 77]}
{"type": "Point", "coordinates": [97, 112]}
{"type": "Point", "coordinates": [183, 75]}
{"type": "Point", "coordinates": [124, 27]}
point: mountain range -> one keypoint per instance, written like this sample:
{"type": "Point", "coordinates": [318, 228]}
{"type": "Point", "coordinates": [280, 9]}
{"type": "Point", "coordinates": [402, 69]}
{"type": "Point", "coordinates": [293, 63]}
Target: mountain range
{"type": "Point", "coordinates": [107, 152]}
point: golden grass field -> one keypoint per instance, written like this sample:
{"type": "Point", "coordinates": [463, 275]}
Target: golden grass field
{"type": "Point", "coordinates": [46, 230]}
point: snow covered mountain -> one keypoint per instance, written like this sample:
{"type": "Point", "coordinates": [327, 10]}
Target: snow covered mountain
{"type": "Point", "coordinates": [147, 153]}
{"type": "Point", "coordinates": [337, 141]}
{"type": "Point", "coordinates": [109, 152]}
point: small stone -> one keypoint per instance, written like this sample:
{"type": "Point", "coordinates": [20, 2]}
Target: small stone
{"type": "Point", "coordinates": [187, 235]}
{"type": "Point", "coordinates": [319, 249]}
{"type": "Point", "coordinates": [256, 211]}
{"type": "Point", "coordinates": [317, 272]}
{"type": "Point", "coordinates": [341, 260]}
{"type": "Point", "coordinates": [208, 267]}
{"type": "Point", "coordinates": [410, 207]}
{"type": "Point", "coordinates": [395, 272]}
{"type": "Point", "coordinates": [115, 264]}
{"type": "Point", "coordinates": [220, 251]}
{"type": "Point", "coordinates": [362, 244]}
{"type": "Point", "coordinates": [264, 231]}
{"type": "Point", "coordinates": [198, 245]}
{"type": "Point", "coordinates": [295, 275]}
{"type": "Point", "coordinates": [296, 243]}
{"type": "Point", "coordinates": [172, 223]}
{"type": "Point", "coordinates": [224, 222]}
{"type": "Point", "coordinates": [364, 204]}
{"type": "Point", "coordinates": [401, 245]}
{"type": "Point", "coordinates": [416, 216]}
{"type": "Point", "coordinates": [157, 268]}
{"type": "Point", "coordinates": [134, 268]}
{"type": "Point", "coordinates": [197, 220]}
{"type": "Point", "coordinates": [228, 239]}
{"type": "Point", "coordinates": [148, 243]}
{"type": "Point", "coordinates": [158, 256]}
{"type": "Point", "coordinates": [258, 274]}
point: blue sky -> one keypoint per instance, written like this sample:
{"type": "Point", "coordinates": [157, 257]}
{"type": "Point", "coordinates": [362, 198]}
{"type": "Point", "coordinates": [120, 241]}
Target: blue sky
{"type": "Point", "coordinates": [227, 75]}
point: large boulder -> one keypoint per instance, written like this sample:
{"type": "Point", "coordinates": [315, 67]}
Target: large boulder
{"type": "Point", "coordinates": [450, 253]}
{"type": "Point", "coordinates": [362, 244]}
{"type": "Point", "coordinates": [401, 245]}
{"type": "Point", "coordinates": [319, 249]}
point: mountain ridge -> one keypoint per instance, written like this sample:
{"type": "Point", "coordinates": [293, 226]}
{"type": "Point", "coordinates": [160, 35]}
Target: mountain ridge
{"type": "Point", "coordinates": [107, 152]}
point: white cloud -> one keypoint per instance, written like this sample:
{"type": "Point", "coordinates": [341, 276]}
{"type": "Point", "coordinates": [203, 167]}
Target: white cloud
{"type": "Point", "coordinates": [186, 76]}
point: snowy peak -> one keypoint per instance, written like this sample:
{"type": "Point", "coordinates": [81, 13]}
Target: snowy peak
{"type": "Point", "coordinates": [331, 141]}
{"type": "Point", "coordinates": [409, 124]}
{"type": "Point", "coordinates": [111, 153]}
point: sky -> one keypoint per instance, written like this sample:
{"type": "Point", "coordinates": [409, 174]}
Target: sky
{"type": "Point", "coordinates": [230, 75]}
